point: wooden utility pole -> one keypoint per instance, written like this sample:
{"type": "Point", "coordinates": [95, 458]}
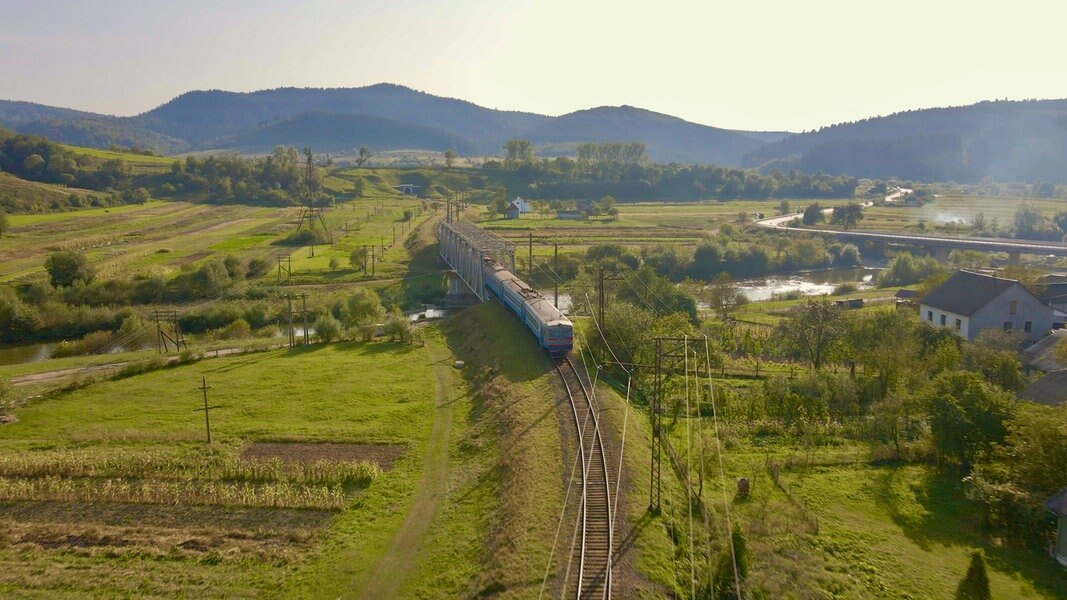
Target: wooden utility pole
{"type": "Point", "coordinates": [204, 387]}
{"type": "Point", "coordinates": [529, 258]}
{"type": "Point", "coordinates": [555, 278]}
{"type": "Point", "coordinates": [292, 338]}
{"type": "Point", "coordinates": [304, 310]}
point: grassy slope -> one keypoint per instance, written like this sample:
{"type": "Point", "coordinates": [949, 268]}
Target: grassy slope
{"type": "Point", "coordinates": [139, 164]}
{"type": "Point", "coordinates": [34, 191]}
{"type": "Point", "coordinates": [510, 378]}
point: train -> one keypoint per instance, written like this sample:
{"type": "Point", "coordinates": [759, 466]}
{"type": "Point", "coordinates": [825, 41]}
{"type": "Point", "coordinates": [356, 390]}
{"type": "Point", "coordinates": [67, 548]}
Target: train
{"type": "Point", "coordinates": [553, 330]}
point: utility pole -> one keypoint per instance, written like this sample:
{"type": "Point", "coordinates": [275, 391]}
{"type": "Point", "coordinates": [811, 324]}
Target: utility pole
{"type": "Point", "coordinates": [555, 279]}
{"type": "Point", "coordinates": [304, 297]}
{"type": "Point", "coordinates": [204, 387]}
{"type": "Point", "coordinates": [600, 296]}
{"type": "Point", "coordinates": [529, 258]}
{"type": "Point", "coordinates": [292, 338]}
{"type": "Point", "coordinates": [175, 335]}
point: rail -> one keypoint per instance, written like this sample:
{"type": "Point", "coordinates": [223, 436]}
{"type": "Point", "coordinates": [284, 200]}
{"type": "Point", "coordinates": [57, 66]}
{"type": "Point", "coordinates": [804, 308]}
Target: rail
{"type": "Point", "coordinates": [594, 554]}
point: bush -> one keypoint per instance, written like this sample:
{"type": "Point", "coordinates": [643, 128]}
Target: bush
{"type": "Point", "coordinates": [328, 329]}
{"type": "Point", "coordinates": [257, 267]}
{"type": "Point", "coordinates": [304, 237]}
{"type": "Point", "coordinates": [398, 328]}
{"type": "Point", "coordinates": [7, 396]}
{"type": "Point", "coordinates": [236, 330]}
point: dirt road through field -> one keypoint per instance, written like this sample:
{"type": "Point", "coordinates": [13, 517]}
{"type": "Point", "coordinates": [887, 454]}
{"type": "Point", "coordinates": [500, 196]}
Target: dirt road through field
{"type": "Point", "coordinates": [395, 566]}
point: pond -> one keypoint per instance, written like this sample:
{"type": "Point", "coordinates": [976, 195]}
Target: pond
{"type": "Point", "coordinates": [427, 312]}
{"type": "Point", "coordinates": [805, 283]}
{"type": "Point", "coordinates": [811, 283]}
{"type": "Point", "coordinates": [26, 353]}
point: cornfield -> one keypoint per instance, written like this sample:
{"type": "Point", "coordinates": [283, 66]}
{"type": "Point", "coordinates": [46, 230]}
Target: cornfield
{"type": "Point", "coordinates": [145, 464]}
{"type": "Point", "coordinates": [271, 495]}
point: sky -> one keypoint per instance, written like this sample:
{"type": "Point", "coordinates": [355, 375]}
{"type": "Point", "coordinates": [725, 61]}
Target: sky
{"type": "Point", "coordinates": [753, 64]}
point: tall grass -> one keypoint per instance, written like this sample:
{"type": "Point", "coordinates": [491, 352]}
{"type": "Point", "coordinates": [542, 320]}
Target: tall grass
{"type": "Point", "coordinates": [147, 464]}
{"type": "Point", "coordinates": [272, 495]}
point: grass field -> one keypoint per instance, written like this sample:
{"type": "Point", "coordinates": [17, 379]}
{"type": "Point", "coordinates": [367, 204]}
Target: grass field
{"type": "Point", "coordinates": [139, 164]}
{"type": "Point", "coordinates": [162, 237]}
{"type": "Point", "coordinates": [140, 433]}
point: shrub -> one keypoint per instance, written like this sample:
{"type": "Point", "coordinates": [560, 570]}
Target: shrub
{"type": "Point", "coordinates": [328, 329]}
{"type": "Point", "coordinates": [236, 330]}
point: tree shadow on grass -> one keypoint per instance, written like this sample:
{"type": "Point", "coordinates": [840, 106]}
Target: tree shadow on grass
{"type": "Point", "coordinates": [949, 518]}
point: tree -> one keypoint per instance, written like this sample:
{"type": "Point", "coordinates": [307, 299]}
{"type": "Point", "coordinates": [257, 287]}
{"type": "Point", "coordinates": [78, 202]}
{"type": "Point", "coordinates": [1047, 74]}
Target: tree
{"type": "Point", "coordinates": [606, 205]}
{"type": "Point", "coordinates": [975, 584]}
{"type": "Point", "coordinates": [66, 267]}
{"type": "Point", "coordinates": [334, 263]}
{"type": "Point", "coordinates": [885, 342]}
{"type": "Point", "coordinates": [783, 207]}
{"type": "Point", "coordinates": [967, 416]}
{"type": "Point", "coordinates": [5, 224]}
{"type": "Point", "coordinates": [365, 311]}
{"type": "Point", "coordinates": [813, 330]}
{"type": "Point", "coordinates": [517, 153]}
{"type": "Point", "coordinates": [398, 327]}
{"type": "Point", "coordinates": [450, 158]}
{"type": "Point", "coordinates": [723, 295]}
{"type": "Point", "coordinates": [327, 328]}
{"type": "Point", "coordinates": [847, 216]}
{"type": "Point", "coordinates": [813, 215]}
{"type": "Point", "coordinates": [357, 187]}
{"type": "Point", "coordinates": [364, 156]}
{"type": "Point", "coordinates": [358, 258]}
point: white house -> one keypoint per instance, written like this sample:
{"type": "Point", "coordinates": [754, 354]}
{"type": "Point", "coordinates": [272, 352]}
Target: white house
{"type": "Point", "coordinates": [970, 302]}
{"type": "Point", "coordinates": [523, 205]}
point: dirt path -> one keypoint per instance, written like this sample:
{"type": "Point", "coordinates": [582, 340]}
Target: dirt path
{"type": "Point", "coordinates": [395, 565]}
{"type": "Point", "coordinates": [51, 376]}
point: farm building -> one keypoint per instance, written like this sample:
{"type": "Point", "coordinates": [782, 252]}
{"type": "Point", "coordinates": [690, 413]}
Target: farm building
{"type": "Point", "coordinates": [1057, 505]}
{"type": "Point", "coordinates": [969, 303]}
{"type": "Point", "coordinates": [512, 211]}
{"type": "Point", "coordinates": [1050, 390]}
{"type": "Point", "coordinates": [522, 204]}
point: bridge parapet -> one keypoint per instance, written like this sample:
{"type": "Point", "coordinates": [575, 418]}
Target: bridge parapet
{"type": "Point", "coordinates": [464, 247]}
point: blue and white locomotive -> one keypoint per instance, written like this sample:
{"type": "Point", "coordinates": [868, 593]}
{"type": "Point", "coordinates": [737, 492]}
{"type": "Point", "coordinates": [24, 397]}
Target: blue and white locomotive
{"type": "Point", "coordinates": [552, 328]}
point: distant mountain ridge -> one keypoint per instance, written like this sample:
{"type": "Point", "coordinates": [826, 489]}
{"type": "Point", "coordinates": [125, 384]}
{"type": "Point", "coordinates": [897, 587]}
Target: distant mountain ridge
{"type": "Point", "coordinates": [1005, 140]}
{"type": "Point", "coordinates": [383, 116]}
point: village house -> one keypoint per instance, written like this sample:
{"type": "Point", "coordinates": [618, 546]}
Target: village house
{"type": "Point", "coordinates": [969, 303]}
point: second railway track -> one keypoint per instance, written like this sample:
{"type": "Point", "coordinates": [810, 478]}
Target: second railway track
{"type": "Point", "coordinates": [591, 559]}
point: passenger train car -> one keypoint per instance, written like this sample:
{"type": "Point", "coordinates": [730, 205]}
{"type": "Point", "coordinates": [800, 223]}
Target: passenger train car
{"type": "Point", "coordinates": [552, 328]}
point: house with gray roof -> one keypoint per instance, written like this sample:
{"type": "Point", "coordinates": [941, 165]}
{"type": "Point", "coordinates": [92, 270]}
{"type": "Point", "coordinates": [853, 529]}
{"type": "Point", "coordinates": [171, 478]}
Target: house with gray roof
{"type": "Point", "coordinates": [968, 303]}
{"type": "Point", "coordinates": [1057, 505]}
{"type": "Point", "coordinates": [1050, 390]}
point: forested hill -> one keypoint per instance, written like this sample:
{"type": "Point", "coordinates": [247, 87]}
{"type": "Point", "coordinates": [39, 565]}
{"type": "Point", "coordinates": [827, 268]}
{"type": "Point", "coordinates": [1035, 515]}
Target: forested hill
{"type": "Point", "coordinates": [378, 116]}
{"type": "Point", "coordinates": [667, 138]}
{"type": "Point", "coordinates": [329, 132]}
{"type": "Point", "coordinates": [203, 116]}
{"type": "Point", "coordinates": [1006, 140]}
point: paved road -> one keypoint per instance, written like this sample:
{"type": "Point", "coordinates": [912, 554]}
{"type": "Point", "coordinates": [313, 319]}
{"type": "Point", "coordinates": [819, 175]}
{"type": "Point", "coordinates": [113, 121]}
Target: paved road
{"type": "Point", "coordinates": [964, 242]}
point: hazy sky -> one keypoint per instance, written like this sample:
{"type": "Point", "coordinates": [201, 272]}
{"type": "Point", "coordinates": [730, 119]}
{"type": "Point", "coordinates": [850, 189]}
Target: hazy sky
{"type": "Point", "coordinates": [747, 64]}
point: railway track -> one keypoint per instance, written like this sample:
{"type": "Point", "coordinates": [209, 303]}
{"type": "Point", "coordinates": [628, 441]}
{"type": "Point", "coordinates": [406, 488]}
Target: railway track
{"type": "Point", "coordinates": [591, 560]}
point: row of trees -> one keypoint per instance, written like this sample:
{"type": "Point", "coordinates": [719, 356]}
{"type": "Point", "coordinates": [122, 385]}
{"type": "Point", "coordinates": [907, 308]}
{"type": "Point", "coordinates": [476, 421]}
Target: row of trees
{"type": "Point", "coordinates": [623, 171]}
